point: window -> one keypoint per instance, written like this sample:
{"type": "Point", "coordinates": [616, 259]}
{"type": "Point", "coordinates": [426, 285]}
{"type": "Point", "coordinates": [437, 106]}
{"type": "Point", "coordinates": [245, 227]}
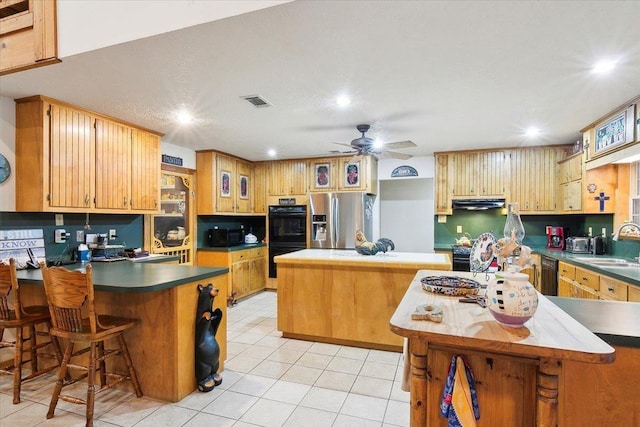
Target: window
{"type": "Point", "coordinates": [635, 193]}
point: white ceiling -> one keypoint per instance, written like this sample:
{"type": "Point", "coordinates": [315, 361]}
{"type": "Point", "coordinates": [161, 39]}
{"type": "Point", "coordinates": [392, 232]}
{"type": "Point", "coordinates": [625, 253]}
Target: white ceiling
{"type": "Point", "coordinates": [447, 75]}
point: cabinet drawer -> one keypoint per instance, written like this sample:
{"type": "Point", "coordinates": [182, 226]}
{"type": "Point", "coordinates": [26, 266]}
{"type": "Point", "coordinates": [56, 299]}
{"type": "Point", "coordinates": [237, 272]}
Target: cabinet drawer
{"type": "Point", "coordinates": [257, 252]}
{"type": "Point", "coordinates": [239, 256]}
{"type": "Point", "coordinates": [588, 278]}
{"type": "Point", "coordinates": [634, 293]}
{"type": "Point", "coordinates": [567, 270]}
{"type": "Point", "coordinates": [613, 289]}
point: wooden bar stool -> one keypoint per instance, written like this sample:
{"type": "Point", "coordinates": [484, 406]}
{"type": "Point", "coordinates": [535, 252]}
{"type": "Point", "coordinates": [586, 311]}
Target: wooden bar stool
{"type": "Point", "coordinates": [20, 318]}
{"type": "Point", "coordinates": [70, 294]}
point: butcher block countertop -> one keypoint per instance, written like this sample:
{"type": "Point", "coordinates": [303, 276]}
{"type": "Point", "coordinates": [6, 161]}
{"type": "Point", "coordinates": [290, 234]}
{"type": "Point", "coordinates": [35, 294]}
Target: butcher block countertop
{"type": "Point", "coordinates": [349, 257]}
{"type": "Point", "coordinates": [550, 333]}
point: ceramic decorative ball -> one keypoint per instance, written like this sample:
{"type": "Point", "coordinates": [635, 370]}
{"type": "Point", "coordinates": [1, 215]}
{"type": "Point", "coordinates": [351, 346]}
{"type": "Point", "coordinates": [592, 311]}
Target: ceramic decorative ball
{"type": "Point", "coordinates": [511, 299]}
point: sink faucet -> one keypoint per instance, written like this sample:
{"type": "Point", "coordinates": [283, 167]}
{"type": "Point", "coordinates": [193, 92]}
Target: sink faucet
{"type": "Point", "coordinates": [616, 235]}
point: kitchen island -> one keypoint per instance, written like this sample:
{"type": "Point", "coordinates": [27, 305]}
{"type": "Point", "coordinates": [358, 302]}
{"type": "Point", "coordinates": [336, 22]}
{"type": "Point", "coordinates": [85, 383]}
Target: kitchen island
{"type": "Point", "coordinates": [341, 297]}
{"type": "Point", "coordinates": [163, 297]}
{"type": "Point", "coordinates": [519, 372]}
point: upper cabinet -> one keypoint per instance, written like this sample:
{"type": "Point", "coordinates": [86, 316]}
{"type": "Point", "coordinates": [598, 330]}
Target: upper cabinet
{"type": "Point", "coordinates": [287, 177]}
{"type": "Point", "coordinates": [443, 180]}
{"type": "Point", "coordinates": [478, 174]}
{"type": "Point", "coordinates": [260, 188]}
{"type": "Point", "coordinates": [226, 185]}
{"type": "Point", "coordinates": [532, 179]}
{"type": "Point", "coordinates": [73, 160]}
{"type": "Point", "coordinates": [359, 173]}
{"type": "Point", "coordinates": [27, 34]}
{"type": "Point", "coordinates": [323, 174]}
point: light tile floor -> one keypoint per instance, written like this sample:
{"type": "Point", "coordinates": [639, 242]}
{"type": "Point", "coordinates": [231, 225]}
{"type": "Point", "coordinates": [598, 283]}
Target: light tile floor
{"type": "Point", "coordinates": [268, 381]}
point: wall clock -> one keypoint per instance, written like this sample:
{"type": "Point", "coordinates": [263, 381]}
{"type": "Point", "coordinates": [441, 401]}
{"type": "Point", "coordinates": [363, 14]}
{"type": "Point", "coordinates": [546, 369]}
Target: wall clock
{"type": "Point", "coordinates": [5, 169]}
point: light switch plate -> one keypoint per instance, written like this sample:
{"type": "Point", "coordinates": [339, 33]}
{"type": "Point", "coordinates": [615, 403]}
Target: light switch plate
{"type": "Point", "coordinates": [459, 229]}
{"type": "Point", "coordinates": [80, 236]}
{"type": "Point", "coordinates": [59, 220]}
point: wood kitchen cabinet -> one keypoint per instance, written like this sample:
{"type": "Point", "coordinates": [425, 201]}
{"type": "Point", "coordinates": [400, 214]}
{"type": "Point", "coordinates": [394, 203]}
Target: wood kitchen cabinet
{"type": "Point", "coordinates": [72, 160]}
{"type": "Point", "coordinates": [359, 173]}
{"type": "Point", "coordinates": [323, 174]}
{"type": "Point", "coordinates": [28, 34]}
{"type": "Point", "coordinates": [259, 185]}
{"type": "Point", "coordinates": [247, 268]}
{"type": "Point", "coordinates": [532, 179]}
{"type": "Point", "coordinates": [443, 183]}
{"type": "Point", "coordinates": [613, 289]}
{"type": "Point", "coordinates": [578, 282]}
{"type": "Point", "coordinates": [225, 184]}
{"type": "Point", "coordinates": [287, 177]}
{"type": "Point", "coordinates": [479, 174]}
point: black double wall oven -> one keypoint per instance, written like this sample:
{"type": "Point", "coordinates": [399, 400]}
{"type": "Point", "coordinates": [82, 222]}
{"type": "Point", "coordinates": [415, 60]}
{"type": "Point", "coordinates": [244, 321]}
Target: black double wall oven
{"type": "Point", "coordinates": [287, 231]}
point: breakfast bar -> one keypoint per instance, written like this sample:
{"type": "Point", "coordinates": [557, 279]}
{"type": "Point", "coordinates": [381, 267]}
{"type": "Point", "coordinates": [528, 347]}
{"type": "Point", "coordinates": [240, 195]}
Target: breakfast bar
{"type": "Point", "coordinates": [163, 297]}
{"type": "Point", "coordinates": [341, 297]}
{"type": "Point", "coordinates": [519, 372]}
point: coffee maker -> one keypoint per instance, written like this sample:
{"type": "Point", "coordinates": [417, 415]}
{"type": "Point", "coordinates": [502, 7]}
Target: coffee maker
{"type": "Point", "coordinates": [555, 238]}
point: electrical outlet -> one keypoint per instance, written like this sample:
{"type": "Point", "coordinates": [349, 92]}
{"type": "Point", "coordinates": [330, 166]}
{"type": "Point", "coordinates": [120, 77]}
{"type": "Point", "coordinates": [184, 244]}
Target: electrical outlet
{"type": "Point", "coordinates": [112, 234]}
{"type": "Point", "coordinates": [459, 229]}
{"type": "Point", "coordinates": [60, 235]}
{"type": "Point", "coordinates": [59, 220]}
{"type": "Point", "coordinates": [590, 232]}
{"type": "Point", "coordinates": [604, 232]}
{"type": "Point", "coordinates": [80, 236]}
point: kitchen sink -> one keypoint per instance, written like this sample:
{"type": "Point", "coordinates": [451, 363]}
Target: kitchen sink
{"type": "Point", "coordinates": [608, 262]}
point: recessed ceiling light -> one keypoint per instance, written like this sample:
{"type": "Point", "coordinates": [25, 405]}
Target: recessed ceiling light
{"type": "Point", "coordinates": [184, 117]}
{"type": "Point", "coordinates": [532, 131]}
{"type": "Point", "coordinates": [343, 101]}
{"type": "Point", "coordinates": [271, 153]}
{"type": "Point", "coordinates": [604, 67]}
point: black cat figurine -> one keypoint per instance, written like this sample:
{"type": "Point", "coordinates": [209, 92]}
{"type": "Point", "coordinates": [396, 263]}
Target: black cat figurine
{"type": "Point", "coordinates": [207, 350]}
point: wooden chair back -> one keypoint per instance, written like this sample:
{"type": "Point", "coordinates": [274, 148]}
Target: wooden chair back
{"type": "Point", "coordinates": [68, 293]}
{"type": "Point", "coordinates": [9, 282]}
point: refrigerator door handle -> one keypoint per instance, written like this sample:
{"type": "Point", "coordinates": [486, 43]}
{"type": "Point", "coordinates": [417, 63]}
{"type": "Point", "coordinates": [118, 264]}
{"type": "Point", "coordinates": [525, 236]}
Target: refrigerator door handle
{"type": "Point", "coordinates": [335, 211]}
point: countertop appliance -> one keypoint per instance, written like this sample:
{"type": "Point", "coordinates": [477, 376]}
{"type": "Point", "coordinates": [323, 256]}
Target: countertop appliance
{"type": "Point", "coordinates": [461, 257]}
{"type": "Point", "coordinates": [287, 232]}
{"type": "Point", "coordinates": [225, 237]}
{"type": "Point", "coordinates": [555, 238]}
{"type": "Point", "coordinates": [335, 217]}
{"type": "Point", "coordinates": [597, 245]}
{"type": "Point", "coordinates": [577, 245]}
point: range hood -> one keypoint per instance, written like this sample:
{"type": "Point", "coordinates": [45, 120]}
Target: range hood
{"type": "Point", "coordinates": [478, 204]}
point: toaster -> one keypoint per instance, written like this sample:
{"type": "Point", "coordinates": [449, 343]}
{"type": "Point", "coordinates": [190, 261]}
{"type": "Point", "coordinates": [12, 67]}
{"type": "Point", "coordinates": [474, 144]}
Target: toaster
{"type": "Point", "coordinates": [577, 245]}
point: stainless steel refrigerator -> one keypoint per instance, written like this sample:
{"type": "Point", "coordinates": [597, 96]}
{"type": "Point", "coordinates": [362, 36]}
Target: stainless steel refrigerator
{"type": "Point", "coordinates": [335, 217]}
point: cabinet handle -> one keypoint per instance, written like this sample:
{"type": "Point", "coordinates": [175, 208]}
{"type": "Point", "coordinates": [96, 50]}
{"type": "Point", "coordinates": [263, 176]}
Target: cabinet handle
{"type": "Point", "coordinates": [86, 200]}
{"type": "Point", "coordinates": [610, 289]}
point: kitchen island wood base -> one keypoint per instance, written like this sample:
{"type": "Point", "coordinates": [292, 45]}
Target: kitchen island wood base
{"type": "Point", "coordinates": [162, 344]}
{"type": "Point", "coordinates": [341, 297]}
{"type": "Point", "coordinates": [520, 373]}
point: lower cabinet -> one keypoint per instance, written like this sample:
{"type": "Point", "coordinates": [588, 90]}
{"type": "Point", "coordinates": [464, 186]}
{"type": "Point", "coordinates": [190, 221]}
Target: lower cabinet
{"type": "Point", "coordinates": [578, 282]}
{"type": "Point", "coordinates": [247, 269]}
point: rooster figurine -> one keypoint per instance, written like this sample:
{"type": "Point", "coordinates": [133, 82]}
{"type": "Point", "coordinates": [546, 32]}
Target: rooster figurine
{"type": "Point", "coordinates": [363, 247]}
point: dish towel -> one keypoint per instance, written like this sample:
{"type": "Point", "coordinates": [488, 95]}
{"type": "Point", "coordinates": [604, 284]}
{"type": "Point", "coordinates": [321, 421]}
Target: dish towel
{"type": "Point", "coordinates": [459, 399]}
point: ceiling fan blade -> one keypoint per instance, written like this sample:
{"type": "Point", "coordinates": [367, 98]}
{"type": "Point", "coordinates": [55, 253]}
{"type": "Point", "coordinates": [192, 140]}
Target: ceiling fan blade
{"type": "Point", "coordinates": [400, 144]}
{"type": "Point", "coordinates": [393, 155]}
{"type": "Point", "coordinates": [340, 143]}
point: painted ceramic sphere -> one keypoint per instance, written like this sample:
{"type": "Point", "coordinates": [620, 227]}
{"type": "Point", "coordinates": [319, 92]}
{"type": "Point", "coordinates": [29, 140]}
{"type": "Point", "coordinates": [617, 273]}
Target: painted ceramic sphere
{"type": "Point", "coordinates": [511, 299]}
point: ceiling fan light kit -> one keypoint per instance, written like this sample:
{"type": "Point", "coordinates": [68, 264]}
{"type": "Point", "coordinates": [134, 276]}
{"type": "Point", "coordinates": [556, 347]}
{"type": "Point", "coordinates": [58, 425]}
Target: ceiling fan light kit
{"type": "Point", "coordinates": [366, 146]}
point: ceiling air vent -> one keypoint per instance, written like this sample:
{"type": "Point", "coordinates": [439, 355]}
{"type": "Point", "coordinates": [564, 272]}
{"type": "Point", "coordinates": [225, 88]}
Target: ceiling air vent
{"type": "Point", "coordinates": [256, 100]}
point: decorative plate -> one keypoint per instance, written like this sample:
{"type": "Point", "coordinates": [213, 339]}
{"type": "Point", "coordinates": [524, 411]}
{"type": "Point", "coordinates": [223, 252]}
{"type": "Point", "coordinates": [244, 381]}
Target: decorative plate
{"type": "Point", "coordinates": [482, 252]}
{"type": "Point", "coordinates": [450, 285]}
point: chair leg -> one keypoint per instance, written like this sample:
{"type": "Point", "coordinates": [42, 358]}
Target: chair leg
{"type": "Point", "coordinates": [91, 379]}
{"type": "Point", "coordinates": [34, 348]}
{"type": "Point", "coordinates": [17, 361]}
{"type": "Point", "coordinates": [62, 373]}
{"type": "Point", "coordinates": [103, 366]}
{"type": "Point", "coordinates": [129, 362]}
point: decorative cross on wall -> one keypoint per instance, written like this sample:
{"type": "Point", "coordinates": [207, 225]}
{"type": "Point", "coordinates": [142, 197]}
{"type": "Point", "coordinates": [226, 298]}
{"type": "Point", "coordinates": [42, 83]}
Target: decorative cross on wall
{"type": "Point", "coordinates": [602, 198]}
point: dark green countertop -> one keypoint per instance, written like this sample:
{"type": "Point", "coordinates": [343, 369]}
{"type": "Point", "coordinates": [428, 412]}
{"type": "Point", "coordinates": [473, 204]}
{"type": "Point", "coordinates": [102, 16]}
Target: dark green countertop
{"type": "Point", "coordinates": [232, 248]}
{"type": "Point", "coordinates": [134, 277]}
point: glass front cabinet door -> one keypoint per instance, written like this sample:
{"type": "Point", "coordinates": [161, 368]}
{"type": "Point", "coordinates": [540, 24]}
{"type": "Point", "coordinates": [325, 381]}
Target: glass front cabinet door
{"type": "Point", "coordinates": [171, 231]}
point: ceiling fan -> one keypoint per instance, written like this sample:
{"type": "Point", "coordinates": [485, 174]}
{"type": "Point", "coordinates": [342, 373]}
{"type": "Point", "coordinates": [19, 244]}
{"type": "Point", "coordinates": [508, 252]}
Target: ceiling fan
{"type": "Point", "coordinates": [366, 146]}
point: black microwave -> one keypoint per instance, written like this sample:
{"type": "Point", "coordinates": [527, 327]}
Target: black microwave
{"type": "Point", "coordinates": [225, 237]}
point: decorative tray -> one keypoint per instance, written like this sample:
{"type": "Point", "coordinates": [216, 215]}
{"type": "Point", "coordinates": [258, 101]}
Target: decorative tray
{"type": "Point", "coordinates": [450, 285]}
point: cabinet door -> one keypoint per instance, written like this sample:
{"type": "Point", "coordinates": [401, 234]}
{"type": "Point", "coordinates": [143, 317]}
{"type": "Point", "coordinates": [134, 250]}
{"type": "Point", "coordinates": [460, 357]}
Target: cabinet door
{"type": "Point", "coordinates": [257, 274]}
{"type": "Point", "coordinates": [466, 166]}
{"type": "Point", "coordinates": [490, 176]}
{"type": "Point", "coordinates": [243, 186]}
{"type": "Point", "coordinates": [543, 179]}
{"type": "Point", "coordinates": [72, 157]}
{"type": "Point", "coordinates": [239, 278]}
{"type": "Point", "coordinates": [276, 178]}
{"type": "Point", "coordinates": [225, 188]}
{"type": "Point", "coordinates": [443, 185]}
{"type": "Point", "coordinates": [113, 165]}
{"type": "Point", "coordinates": [297, 177]}
{"type": "Point", "coordinates": [572, 196]}
{"type": "Point", "coordinates": [259, 184]}
{"type": "Point", "coordinates": [145, 171]}
{"type": "Point", "coordinates": [565, 287]}
{"type": "Point", "coordinates": [322, 175]}
{"type": "Point", "coordinates": [352, 172]}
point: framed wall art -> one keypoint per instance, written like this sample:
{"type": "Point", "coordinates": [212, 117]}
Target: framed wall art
{"type": "Point", "coordinates": [244, 187]}
{"type": "Point", "coordinates": [352, 174]}
{"type": "Point", "coordinates": [225, 184]}
{"type": "Point", "coordinates": [615, 132]}
{"type": "Point", "coordinates": [322, 178]}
